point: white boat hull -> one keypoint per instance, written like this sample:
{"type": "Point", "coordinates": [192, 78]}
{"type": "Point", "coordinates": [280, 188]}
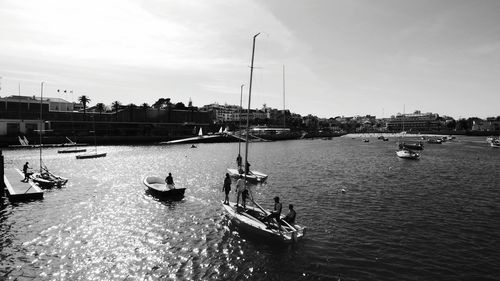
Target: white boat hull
{"type": "Point", "coordinates": [407, 154]}
{"type": "Point", "coordinates": [251, 222]}
{"type": "Point", "coordinates": [253, 176]}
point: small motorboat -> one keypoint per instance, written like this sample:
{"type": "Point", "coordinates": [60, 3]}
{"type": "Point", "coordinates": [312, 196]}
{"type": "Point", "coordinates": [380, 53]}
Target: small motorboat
{"type": "Point", "coordinates": [407, 154]}
{"type": "Point", "coordinates": [157, 187]}
{"type": "Point", "coordinates": [91, 155]}
{"type": "Point", "coordinates": [253, 221]}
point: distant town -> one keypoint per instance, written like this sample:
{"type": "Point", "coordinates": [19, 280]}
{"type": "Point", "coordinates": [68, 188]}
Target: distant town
{"type": "Point", "coordinates": [167, 120]}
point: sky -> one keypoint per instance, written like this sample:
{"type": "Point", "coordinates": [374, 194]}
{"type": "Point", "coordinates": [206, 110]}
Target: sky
{"type": "Point", "coordinates": [340, 57]}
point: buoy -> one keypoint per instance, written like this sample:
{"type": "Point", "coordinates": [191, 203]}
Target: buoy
{"type": "Point", "coordinates": [343, 190]}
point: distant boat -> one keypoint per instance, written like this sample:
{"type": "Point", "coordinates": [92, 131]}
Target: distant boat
{"type": "Point", "coordinates": [72, 150]}
{"type": "Point", "coordinates": [94, 154]}
{"type": "Point", "coordinates": [434, 141]}
{"type": "Point", "coordinates": [412, 146]}
{"type": "Point", "coordinates": [243, 169]}
{"type": "Point", "coordinates": [157, 187]}
{"type": "Point", "coordinates": [91, 155]}
{"type": "Point", "coordinates": [407, 154]}
{"type": "Point", "coordinates": [495, 143]}
{"type": "Point", "coordinates": [197, 139]}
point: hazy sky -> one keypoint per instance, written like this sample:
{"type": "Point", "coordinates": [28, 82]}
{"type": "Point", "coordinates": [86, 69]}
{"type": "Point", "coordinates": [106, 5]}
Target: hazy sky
{"type": "Point", "coordinates": [341, 57]}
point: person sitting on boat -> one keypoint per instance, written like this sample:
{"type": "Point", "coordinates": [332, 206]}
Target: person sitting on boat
{"type": "Point", "coordinates": [290, 217]}
{"type": "Point", "coordinates": [276, 213]}
{"type": "Point", "coordinates": [25, 171]}
{"type": "Point", "coordinates": [170, 181]}
{"type": "Point", "coordinates": [226, 188]}
{"type": "Point", "coordinates": [240, 186]}
{"type": "Point", "coordinates": [244, 196]}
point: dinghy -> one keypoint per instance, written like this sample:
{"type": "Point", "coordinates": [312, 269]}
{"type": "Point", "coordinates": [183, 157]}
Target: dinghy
{"type": "Point", "coordinates": [157, 187]}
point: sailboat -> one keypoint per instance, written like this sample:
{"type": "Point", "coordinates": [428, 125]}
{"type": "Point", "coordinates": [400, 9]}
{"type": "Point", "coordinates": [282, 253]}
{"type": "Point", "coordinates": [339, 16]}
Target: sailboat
{"type": "Point", "coordinates": [251, 176]}
{"type": "Point", "coordinates": [92, 155]}
{"type": "Point", "coordinates": [404, 151]}
{"type": "Point", "coordinates": [254, 219]}
{"type": "Point", "coordinates": [44, 178]}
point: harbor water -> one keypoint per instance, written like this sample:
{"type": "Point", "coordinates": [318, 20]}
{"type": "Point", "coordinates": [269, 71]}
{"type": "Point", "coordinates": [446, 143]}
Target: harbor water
{"type": "Point", "coordinates": [369, 214]}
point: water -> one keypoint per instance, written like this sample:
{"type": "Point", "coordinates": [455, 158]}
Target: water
{"type": "Point", "coordinates": [432, 219]}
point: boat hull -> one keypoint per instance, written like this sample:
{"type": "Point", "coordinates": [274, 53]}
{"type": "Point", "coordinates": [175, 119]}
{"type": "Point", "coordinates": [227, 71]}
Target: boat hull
{"type": "Point", "coordinates": [407, 154]}
{"type": "Point", "coordinates": [251, 222]}
{"type": "Point", "coordinates": [88, 156]}
{"type": "Point", "coordinates": [48, 181]}
{"type": "Point", "coordinates": [72, 150]}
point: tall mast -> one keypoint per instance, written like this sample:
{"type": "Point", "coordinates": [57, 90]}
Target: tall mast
{"type": "Point", "coordinates": [41, 126]}
{"type": "Point", "coordinates": [284, 117]}
{"type": "Point", "coordinates": [249, 99]}
{"type": "Point", "coordinates": [239, 113]}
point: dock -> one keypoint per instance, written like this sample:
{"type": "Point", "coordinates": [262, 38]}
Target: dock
{"type": "Point", "coordinates": [17, 190]}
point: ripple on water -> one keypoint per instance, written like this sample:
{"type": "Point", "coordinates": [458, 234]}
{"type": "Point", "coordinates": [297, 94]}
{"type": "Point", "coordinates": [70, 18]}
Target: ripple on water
{"type": "Point", "coordinates": [431, 219]}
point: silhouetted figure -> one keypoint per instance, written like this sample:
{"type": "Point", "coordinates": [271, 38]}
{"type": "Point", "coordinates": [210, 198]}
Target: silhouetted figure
{"type": "Point", "coordinates": [226, 188]}
{"type": "Point", "coordinates": [238, 160]}
{"type": "Point", "coordinates": [290, 217]}
{"type": "Point", "coordinates": [25, 171]}
{"type": "Point", "coordinates": [276, 213]}
{"type": "Point", "coordinates": [170, 181]}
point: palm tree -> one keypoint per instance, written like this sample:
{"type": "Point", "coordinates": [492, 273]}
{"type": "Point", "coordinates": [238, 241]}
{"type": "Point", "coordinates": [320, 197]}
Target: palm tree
{"type": "Point", "coordinates": [145, 107]}
{"type": "Point", "coordinates": [116, 105]}
{"type": "Point", "coordinates": [100, 107]}
{"type": "Point", "coordinates": [84, 100]}
{"type": "Point", "coordinates": [131, 108]}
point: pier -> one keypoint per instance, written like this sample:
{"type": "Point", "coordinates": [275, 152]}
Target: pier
{"type": "Point", "coordinates": [18, 190]}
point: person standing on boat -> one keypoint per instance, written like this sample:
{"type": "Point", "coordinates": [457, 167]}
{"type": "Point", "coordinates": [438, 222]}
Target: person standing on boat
{"type": "Point", "coordinates": [290, 217]}
{"type": "Point", "coordinates": [170, 181]}
{"type": "Point", "coordinates": [276, 213]}
{"type": "Point", "coordinates": [247, 168]}
{"type": "Point", "coordinates": [25, 171]}
{"type": "Point", "coordinates": [238, 160]}
{"type": "Point", "coordinates": [226, 188]}
{"type": "Point", "coordinates": [240, 186]}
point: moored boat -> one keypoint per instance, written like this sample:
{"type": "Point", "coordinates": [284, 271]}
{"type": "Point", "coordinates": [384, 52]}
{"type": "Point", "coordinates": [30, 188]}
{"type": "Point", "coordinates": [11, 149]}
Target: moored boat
{"type": "Point", "coordinates": [434, 141]}
{"type": "Point", "coordinates": [407, 154]}
{"type": "Point", "coordinates": [411, 146]}
{"type": "Point", "coordinates": [157, 187]}
{"type": "Point", "coordinates": [45, 179]}
{"type": "Point", "coordinates": [252, 221]}
{"type": "Point", "coordinates": [252, 176]}
{"type": "Point", "coordinates": [495, 143]}
{"type": "Point", "coordinates": [72, 150]}
{"type": "Point", "coordinates": [91, 155]}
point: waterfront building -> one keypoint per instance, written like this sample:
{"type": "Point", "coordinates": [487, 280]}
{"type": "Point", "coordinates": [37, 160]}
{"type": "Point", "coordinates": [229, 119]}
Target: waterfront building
{"type": "Point", "coordinates": [20, 116]}
{"type": "Point", "coordinates": [414, 122]}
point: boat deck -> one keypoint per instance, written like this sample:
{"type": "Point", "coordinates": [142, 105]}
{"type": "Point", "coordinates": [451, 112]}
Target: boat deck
{"type": "Point", "coordinates": [17, 190]}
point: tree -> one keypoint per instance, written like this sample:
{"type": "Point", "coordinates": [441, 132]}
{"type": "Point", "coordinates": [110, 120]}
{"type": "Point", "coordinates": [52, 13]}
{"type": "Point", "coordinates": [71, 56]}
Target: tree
{"type": "Point", "coordinates": [100, 107]}
{"type": "Point", "coordinates": [145, 108]}
{"type": "Point", "coordinates": [116, 105]}
{"type": "Point", "coordinates": [84, 100]}
{"type": "Point", "coordinates": [179, 105]}
{"type": "Point", "coordinates": [131, 108]}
